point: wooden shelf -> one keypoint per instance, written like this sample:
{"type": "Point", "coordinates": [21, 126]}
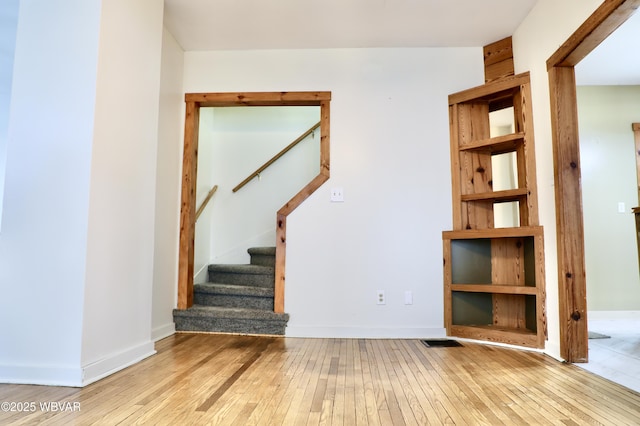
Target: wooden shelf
{"type": "Point", "coordinates": [512, 336]}
{"type": "Point", "coordinates": [494, 284]}
{"type": "Point", "coordinates": [490, 91]}
{"type": "Point", "coordinates": [496, 145]}
{"type": "Point", "coordinates": [494, 288]}
{"type": "Point", "coordinates": [468, 234]}
{"type": "Point", "coordinates": [494, 277]}
{"type": "Point", "coordinates": [497, 196]}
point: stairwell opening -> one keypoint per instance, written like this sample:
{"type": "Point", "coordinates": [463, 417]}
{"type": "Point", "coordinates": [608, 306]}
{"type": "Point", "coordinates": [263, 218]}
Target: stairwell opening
{"type": "Point", "coordinates": [194, 103]}
{"type": "Point", "coordinates": [240, 150]}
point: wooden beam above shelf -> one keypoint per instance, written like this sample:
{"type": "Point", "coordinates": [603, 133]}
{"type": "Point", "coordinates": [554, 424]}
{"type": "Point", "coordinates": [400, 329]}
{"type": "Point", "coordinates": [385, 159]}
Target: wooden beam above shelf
{"type": "Point", "coordinates": [498, 60]}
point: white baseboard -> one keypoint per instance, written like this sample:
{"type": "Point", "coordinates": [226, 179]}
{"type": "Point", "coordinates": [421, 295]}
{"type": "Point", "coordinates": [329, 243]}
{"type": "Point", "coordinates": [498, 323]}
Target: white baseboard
{"type": "Point", "coordinates": [41, 375]}
{"type": "Point", "coordinates": [608, 315]}
{"type": "Point", "coordinates": [74, 377]}
{"type": "Point", "coordinates": [201, 276]}
{"type": "Point", "coordinates": [163, 331]}
{"type": "Point", "coordinates": [365, 333]}
{"type": "Point", "coordinates": [553, 350]}
{"type": "Point", "coordinates": [116, 362]}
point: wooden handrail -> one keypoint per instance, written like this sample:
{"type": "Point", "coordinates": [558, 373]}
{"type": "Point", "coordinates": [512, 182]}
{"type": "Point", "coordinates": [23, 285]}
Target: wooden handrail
{"type": "Point", "coordinates": [206, 201]}
{"type": "Point", "coordinates": [277, 156]}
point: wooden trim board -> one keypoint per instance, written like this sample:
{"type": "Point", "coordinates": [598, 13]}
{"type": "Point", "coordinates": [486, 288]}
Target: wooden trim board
{"type": "Point", "coordinates": [498, 60]}
{"type": "Point", "coordinates": [636, 136]}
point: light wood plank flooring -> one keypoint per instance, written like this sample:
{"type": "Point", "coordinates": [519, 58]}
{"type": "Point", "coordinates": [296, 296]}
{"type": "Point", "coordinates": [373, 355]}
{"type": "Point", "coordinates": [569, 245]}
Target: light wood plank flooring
{"type": "Point", "coordinates": [616, 358]}
{"type": "Point", "coordinates": [198, 379]}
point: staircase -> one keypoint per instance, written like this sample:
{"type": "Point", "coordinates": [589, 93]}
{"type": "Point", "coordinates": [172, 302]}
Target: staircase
{"type": "Point", "coordinates": [236, 299]}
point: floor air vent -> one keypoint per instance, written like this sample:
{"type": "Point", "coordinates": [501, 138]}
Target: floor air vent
{"type": "Point", "coordinates": [441, 343]}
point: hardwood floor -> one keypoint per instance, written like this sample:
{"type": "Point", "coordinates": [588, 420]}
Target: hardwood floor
{"type": "Point", "coordinates": [198, 379]}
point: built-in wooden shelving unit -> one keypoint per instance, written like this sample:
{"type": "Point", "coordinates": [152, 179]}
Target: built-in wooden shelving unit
{"type": "Point", "coordinates": [494, 276]}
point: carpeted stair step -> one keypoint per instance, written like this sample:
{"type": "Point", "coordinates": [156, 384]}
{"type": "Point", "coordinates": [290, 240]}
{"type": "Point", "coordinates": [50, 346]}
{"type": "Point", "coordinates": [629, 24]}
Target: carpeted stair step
{"type": "Point", "coordinates": [233, 296]}
{"type": "Point", "coordinates": [237, 299]}
{"type": "Point", "coordinates": [248, 275]}
{"type": "Point", "coordinates": [230, 320]}
{"type": "Point", "coordinates": [264, 256]}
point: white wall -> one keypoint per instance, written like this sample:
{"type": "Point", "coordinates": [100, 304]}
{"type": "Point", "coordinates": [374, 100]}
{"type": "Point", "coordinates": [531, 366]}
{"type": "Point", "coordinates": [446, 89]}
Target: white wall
{"type": "Point", "coordinates": [8, 25]}
{"type": "Point", "coordinates": [608, 159]}
{"type": "Point", "coordinates": [390, 152]}
{"type": "Point", "coordinates": [168, 181]}
{"type": "Point", "coordinates": [203, 251]}
{"type": "Point", "coordinates": [120, 241]}
{"type": "Point", "coordinates": [45, 217]}
{"type": "Point", "coordinates": [547, 26]}
{"type": "Point", "coordinates": [235, 142]}
{"type": "Point", "coordinates": [504, 169]}
{"type": "Point", "coordinates": [76, 251]}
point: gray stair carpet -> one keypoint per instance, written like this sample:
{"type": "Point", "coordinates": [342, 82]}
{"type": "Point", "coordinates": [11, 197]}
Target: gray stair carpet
{"type": "Point", "coordinates": [265, 256]}
{"type": "Point", "coordinates": [233, 296]}
{"type": "Point", "coordinates": [236, 299]}
{"type": "Point", "coordinates": [230, 320]}
{"type": "Point", "coordinates": [248, 275]}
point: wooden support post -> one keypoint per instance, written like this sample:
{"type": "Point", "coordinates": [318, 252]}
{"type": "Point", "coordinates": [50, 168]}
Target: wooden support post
{"type": "Point", "coordinates": [569, 219]}
{"type": "Point", "coordinates": [636, 135]}
{"type": "Point", "coordinates": [188, 206]}
{"type": "Point", "coordinates": [281, 249]}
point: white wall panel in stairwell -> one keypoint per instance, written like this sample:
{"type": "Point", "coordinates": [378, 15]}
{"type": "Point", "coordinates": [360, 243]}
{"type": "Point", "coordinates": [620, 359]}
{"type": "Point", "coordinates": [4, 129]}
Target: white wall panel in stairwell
{"type": "Point", "coordinates": [204, 183]}
{"type": "Point", "coordinates": [390, 148]}
{"type": "Point", "coordinates": [44, 235]}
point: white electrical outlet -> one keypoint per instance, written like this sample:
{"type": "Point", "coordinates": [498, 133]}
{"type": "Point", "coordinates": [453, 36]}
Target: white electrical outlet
{"type": "Point", "coordinates": [621, 207]}
{"type": "Point", "coordinates": [337, 195]}
{"type": "Point", "coordinates": [381, 299]}
{"type": "Point", "coordinates": [408, 297]}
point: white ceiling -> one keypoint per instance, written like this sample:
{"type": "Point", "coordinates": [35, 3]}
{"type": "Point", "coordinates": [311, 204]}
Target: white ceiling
{"type": "Point", "coordinates": [310, 24]}
{"type": "Point", "coordinates": [292, 24]}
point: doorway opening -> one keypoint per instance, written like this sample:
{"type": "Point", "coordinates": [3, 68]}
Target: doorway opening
{"type": "Point", "coordinates": [567, 176]}
{"type": "Point", "coordinates": [195, 101]}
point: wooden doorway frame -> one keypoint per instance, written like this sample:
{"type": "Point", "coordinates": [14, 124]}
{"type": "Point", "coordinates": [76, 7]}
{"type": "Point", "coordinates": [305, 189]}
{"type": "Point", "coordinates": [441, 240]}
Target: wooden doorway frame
{"type": "Point", "coordinates": [635, 127]}
{"type": "Point", "coordinates": [566, 155]}
{"type": "Point", "coordinates": [195, 101]}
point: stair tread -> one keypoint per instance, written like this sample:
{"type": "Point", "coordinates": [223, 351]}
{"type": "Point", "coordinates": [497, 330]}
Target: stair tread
{"type": "Point", "coordinates": [233, 289]}
{"type": "Point", "coordinates": [235, 313]}
{"type": "Point", "coordinates": [242, 269]}
{"type": "Point", "coordinates": [265, 251]}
